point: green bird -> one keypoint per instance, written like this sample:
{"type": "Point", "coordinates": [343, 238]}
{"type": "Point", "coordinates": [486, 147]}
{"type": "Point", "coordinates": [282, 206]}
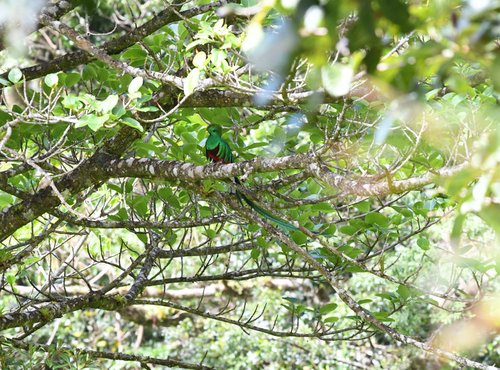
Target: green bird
{"type": "Point", "coordinates": [218, 150]}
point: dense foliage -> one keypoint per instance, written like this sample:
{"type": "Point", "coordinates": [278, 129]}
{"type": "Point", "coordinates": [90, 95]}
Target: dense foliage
{"type": "Point", "coordinates": [371, 126]}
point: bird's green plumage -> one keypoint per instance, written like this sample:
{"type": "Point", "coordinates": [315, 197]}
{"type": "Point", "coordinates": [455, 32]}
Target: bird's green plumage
{"type": "Point", "coordinates": [215, 141]}
{"type": "Point", "coordinates": [218, 150]}
{"type": "Point", "coordinates": [261, 211]}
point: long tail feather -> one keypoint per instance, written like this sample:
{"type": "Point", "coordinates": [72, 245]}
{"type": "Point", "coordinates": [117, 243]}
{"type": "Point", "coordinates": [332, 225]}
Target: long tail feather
{"type": "Point", "coordinates": [286, 226]}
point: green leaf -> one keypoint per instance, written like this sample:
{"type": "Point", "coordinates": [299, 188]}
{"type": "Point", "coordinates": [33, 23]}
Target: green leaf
{"type": "Point", "coordinates": [31, 260]}
{"type": "Point", "coordinates": [432, 94]}
{"type": "Point", "coordinates": [363, 206]}
{"type": "Point", "coordinates": [366, 300]}
{"type": "Point", "coordinates": [348, 229]}
{"type": "Point", "coordinates": [140, 205]}
{"type": "Point", "coordinates": [491, 215]}
{"type": "Point", "coordinates": [187, 138]}
{"type": "Point", "coordinates": [403, 292]}
{"type": "Point", "coordinates": [350, 251]}
{"type": "Point", "coordinates": [354, 269]}
{"type": "Point", "coordinates": [430, 301]}
{"type": "Point", "coordinates": [329, 231]}
{"type": "Point", "coordinates": [323, 207]}
{"type": "Point", "coordinates": [108, 104]}
{"type": "Point", "coordinates": [382, 316]}
{"type": "Point", "coordinates": [15, 75]}
{"type": "Point", "coordinates": [4, 82]}
{"type": "Point", "coordinates": [6, 200]}
{"type": "Point", "coordinates": [255, 253]}
{"type": "Point", "coordinates": [148, 109]}
{"type": "Point", "coordinates": [51, 80]}
{"type": "Point", "coordinates": [135, 54]}
{"type": "Point", "coordinates": [71, 102]}
{"type": "Point", "coordinates": [71, 79]}
{"type": "Point", "coordinates": [135, 85]}
{"type": "Point", "coordinates": [292, 300]}
{"type": "Point", "coordinates": [397, 12]}
{"type": "Point", "coordinates": [376, 218]}
{"type": "Point", "coordinates": [11, 278]}
{"type": "Point", "coordinates": [5, 255]}
{"type": "Point", "coordinates": [88, 99]}
{"type": "Point", "coordinates": [102, 73]}
{"type": "Point", "coordinates": [211, 234]}
{"type": "Point", "coordinates": [218, 58]}
{"type": "Point", "coordinates": [93, 121]}
{"type": "Point", "coordinates": [337, 78]}
{"type": "Point", "coordinates": [129, 121]}
{"type": "Point", "coordinates": [118, 111]}
{"type": "Point", "coordinates": [299, 237]}
{"type": "Point", "coordinates": [199, 59]}
{"type": "Point", "coordinates": [89, 72]}
{"type": "Point", "coordinates": [423, 243]}
{"type": "Point", "coordinates": [389, 296]}
{"type": "Point", "coordinates": [191, 81]}
{"type": "Point", "coordinates": [144, 99]}
{"type": "Point", "coordinates": [96, 124]}
{"type": "Point", "coordinates": [168, 196]}
{"type": "Point", "coordinates": [262, 242]}
{"type": "Point", "coordinates": [193, 44]}
{"type": "Point", "coordinates": [328, 308]}
{"type": "Point", "coordinates": [331, 319]}
{"type": "Point", "coordinates": [403, 210]}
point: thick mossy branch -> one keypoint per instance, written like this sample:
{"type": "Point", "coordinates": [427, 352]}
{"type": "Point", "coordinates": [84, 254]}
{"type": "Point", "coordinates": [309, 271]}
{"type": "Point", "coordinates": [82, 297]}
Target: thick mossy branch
{"type": "Point", "coordinates": [50, 312]}
{"type": "Point", "coordinates": [102, 167]}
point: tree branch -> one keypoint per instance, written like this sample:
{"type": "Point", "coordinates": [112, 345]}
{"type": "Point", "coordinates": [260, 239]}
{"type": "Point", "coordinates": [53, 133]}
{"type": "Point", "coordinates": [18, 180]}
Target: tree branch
{"type": "Point", "coordinates": [101, 167]}
{"type": "Point", "coordinates": [181, 171]}
{"type": "Point", "coordinates": [117, 45]}
{"type": "Point", "coordinates": [55, 10]}
{"type": "Point", "coordinates": [170, 362]}
{"type": "Point", "coordinates": [344, 295]}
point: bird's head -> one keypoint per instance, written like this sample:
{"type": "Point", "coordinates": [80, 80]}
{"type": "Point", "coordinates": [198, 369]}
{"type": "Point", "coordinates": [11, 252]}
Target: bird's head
{"type": "Point", "coordinates": [214, 130]}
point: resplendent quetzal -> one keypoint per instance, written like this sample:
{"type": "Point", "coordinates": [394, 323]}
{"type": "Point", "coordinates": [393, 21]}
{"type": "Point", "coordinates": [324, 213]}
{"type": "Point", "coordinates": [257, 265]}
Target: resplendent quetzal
{"type": "Point", "coordinates": [218, 150]}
